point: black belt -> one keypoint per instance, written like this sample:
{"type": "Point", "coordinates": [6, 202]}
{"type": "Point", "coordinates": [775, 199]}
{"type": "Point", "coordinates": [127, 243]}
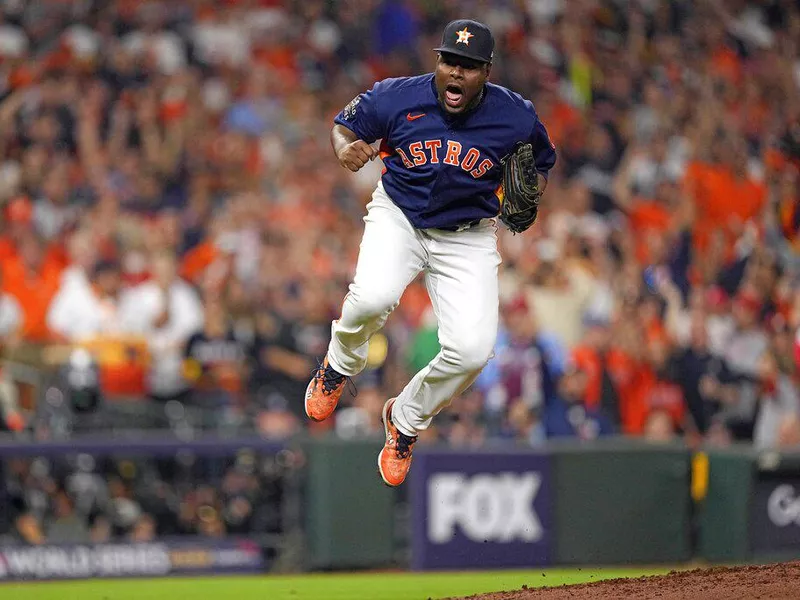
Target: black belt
{"type": "Point", "coordinates": [461, 227]}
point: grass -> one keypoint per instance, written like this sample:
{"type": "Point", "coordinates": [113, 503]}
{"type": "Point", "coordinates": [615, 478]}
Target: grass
{"type": "Point", "coordinates": [366, 586]}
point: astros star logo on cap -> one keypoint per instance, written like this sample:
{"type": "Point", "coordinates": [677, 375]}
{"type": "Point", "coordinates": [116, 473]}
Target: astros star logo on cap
{"type": "Point", "coordinates": [463, 36]}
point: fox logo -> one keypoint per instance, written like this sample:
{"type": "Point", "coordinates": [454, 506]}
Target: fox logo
{"type": "Point", "coordinates": [485, 507]}
{"type": "Point", "coordinates": [433, 151]}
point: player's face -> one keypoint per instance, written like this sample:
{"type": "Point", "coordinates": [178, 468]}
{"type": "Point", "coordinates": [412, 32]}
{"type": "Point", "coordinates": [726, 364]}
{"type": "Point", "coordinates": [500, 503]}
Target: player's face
{"type": "Point", "coordinates": [459, 82]}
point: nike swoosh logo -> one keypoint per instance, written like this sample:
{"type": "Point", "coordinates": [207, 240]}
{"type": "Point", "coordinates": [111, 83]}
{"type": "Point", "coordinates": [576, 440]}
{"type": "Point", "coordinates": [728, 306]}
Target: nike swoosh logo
{"type": "Point", "coordinates": [411, 117]}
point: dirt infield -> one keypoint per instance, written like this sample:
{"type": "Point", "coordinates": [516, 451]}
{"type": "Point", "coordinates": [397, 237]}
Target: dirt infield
{"type": "Point", "coordinates": [768, 582]}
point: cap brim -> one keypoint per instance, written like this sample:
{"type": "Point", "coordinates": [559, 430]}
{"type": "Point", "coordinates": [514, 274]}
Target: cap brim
{"type": "Point", "coordinates": [463, 53]}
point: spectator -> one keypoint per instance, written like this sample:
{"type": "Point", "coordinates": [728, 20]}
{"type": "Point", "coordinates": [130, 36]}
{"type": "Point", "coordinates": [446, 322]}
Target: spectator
{"type": "Point", "coordinates": [10, 316]}
{"type": "Point", "coordinates": [567, 415]}
{"type": "Point", "coordinates": [28, 530]}
{"type": "Point", "coordinates": [32, 275]}
{"type": "Point", "coordinates": [123, 510]}
{"type": "Point", "coordinates": [725, 195]}
{"type": "Point", "coordinates": [700, 375]}
{"type": "Point", "coordinates": [144, 530]}
{"type": "Point", "coordinates": [659, 427]}
{"type": "Point", "coordinates": [214, 363]}
{"type": "Point", "coordinates": [11, 418]}
{"type": "Point", "coordinates": [86, 308]}
{"type": "Point", "coordinates": [778, 402]}
{"type": "Point", "coordinates": [602, 365]}
{"type": "Point", "coordinates": [661, 391]}
{"type": "Point", "coordinates": [748, 341]}
{"type": "Point", "coordinates": [526, 367]}
{"type": "Point", "coordinates": [167, 311]}
{"type": "Point", "coordinates": [100, 531]}
{"type": "Point", "coordinates": [709, 305]}
{"type": "Point", "coordinates": [559, 294]}
{"type": "Point", "coordinates": [287, 345]}
{"type": "Point", "coordinates": [66, 526]}
{"type": "Point", "coordinates": [81, 256]}
{"type": "Point", "coordinates": [524, 425]}
{"type": "Point", "coordinates": [275, 419]}
{"type": "Point", "coordinates": [364, 416]}
{"type": "Point", "coordinates": [466, 427]}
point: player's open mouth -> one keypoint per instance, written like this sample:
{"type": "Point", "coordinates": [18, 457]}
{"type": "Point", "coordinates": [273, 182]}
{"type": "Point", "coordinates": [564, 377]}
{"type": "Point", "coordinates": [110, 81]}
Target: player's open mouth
{"type": "Point", "coordinates": [453, 95]}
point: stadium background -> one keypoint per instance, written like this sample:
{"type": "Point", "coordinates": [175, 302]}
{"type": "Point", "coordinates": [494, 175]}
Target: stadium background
{"type": "Point", "coordinates": [176, 238]}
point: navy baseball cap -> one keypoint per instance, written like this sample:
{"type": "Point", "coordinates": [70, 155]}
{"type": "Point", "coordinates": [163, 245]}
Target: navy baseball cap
{"type": "Point", "coordinates": [469, 39]}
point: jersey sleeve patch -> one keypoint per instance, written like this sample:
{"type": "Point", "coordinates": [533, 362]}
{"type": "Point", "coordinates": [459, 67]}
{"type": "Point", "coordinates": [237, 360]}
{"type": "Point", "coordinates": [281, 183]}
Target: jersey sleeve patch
{"type": "Point", "coordinates": [349, 112]}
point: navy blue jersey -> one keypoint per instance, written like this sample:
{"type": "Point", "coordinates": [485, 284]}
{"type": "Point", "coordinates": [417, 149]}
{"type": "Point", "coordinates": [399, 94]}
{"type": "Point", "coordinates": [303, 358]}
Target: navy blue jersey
{"type": "Point", "coordinates": [443, 170]}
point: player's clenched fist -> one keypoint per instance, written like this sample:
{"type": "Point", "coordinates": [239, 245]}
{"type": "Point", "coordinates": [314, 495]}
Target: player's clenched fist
{"type": "Point", "coordinates": [355, 155]}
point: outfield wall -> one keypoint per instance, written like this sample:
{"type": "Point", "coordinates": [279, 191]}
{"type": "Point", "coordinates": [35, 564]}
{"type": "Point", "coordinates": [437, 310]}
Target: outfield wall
{"type": "Point", "coordinates": [751, 507]}
{"type": "Point", "coordinates": [611, 502]}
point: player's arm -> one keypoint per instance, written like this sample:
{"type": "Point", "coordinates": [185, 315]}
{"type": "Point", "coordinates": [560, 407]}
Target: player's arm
{"type": "Point", "coordinates": [524, 177]}
{"type": "Point", "coordinates": [544, 153]}
{"type": "Point", "coordinates": [361, 122]}
{"type": "Point", "coordinates": [352, 152]}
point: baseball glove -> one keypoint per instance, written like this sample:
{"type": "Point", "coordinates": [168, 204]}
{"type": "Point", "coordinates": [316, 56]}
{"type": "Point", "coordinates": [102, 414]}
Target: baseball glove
{"type": "Point", "coordinates": [521, 191]}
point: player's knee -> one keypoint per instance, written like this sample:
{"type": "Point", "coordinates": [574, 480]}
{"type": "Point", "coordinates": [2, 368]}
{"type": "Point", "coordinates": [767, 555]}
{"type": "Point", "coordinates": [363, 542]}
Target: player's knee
{"type": "Point", "coordinates": [470, 353]}
{"type": "Point", "coordinates": [367, 306]}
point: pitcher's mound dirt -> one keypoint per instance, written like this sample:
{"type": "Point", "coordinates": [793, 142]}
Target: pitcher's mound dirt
{"type": "Point", "coordinates": [768, 582]}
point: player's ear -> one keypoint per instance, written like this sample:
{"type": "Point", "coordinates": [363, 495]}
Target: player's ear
{"type": "Point", "coordinates": [488, 69]}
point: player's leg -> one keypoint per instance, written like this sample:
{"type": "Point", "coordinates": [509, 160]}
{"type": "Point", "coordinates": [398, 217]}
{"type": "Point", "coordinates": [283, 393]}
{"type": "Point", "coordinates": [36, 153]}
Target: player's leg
{"type": "Point", "coordinates": [390, 256]}
{"type": "Point", "coordinates": [462, 282]}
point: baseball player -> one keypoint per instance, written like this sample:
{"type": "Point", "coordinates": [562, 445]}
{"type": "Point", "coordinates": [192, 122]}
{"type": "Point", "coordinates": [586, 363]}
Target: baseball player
{"type": "Point", "coordinates": [458, 151]}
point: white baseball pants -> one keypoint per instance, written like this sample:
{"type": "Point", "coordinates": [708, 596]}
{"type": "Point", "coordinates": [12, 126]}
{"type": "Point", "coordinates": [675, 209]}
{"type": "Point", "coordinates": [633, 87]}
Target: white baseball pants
{"type": "Point", "coordinates": [461, 278]}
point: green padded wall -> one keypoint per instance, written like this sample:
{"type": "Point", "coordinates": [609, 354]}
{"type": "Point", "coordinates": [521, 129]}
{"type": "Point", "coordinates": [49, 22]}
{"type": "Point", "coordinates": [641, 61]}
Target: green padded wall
{"type": "Point", "coordinates": [350, 514]}
{"type": "Point", "coordinates": [622, 502]}
{"type": "Point", "coordinates": [724, 513]}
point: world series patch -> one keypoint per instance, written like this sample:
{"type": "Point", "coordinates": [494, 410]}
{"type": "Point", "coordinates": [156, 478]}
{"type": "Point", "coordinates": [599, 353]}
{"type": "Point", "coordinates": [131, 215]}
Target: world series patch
{"type": "Point", "coordinates": [349, 111]}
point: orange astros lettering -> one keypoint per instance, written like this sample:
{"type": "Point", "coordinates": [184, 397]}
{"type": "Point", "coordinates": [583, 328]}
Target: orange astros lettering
{"type": "Point", "coordinates": [482, 168]}
{"type": "Point", "coordinates": [433, 146]}
{"type": "Point", "coordinates": [418, 154]}
{"type": "Point", "coordinates": [453, 153]}
{"type": "Point", "coordinates": [403, 156]}
{"type": "Point", "coordinates": [470, 159]}
{"type": "Point", "coordinates": [422, 152]}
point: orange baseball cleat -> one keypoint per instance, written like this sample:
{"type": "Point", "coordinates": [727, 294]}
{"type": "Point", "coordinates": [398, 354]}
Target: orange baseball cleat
{"type": "Point", "coordinates": [323, 392]}
{"type": "Point", "coordinates": [394, 460]}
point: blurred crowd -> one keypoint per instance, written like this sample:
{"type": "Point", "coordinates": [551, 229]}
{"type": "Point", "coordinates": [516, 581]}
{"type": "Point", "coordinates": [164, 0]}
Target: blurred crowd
{"type": "Point", "coordinates": [84, 499]}
{"type": "Point", "coordinates": [171, 205]}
